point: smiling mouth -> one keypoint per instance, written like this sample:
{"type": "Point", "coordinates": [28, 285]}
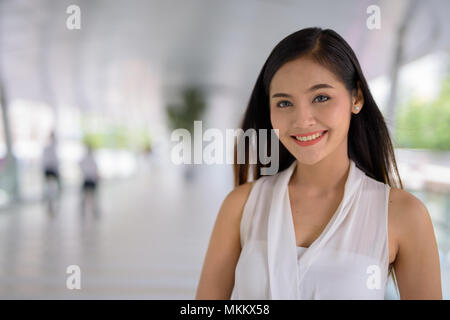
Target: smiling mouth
{"type": "Point", "coordinates": [311, 137]}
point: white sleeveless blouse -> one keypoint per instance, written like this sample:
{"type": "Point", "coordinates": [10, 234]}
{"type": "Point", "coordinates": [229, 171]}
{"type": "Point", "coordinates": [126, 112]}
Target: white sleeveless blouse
{"type": "Point", "coordinates": [349, 260]}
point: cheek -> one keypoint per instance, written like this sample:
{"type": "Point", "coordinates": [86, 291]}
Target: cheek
{"type": "Point", "coordinates": [275, 120]}
{"type": "Point", "coordinates": [337, 116]}
{"type": "Point", "coordinates": [279, 122]}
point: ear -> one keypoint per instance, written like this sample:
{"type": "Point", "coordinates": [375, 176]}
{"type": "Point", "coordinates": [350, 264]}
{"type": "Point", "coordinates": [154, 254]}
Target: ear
{"type": "Point", "coordinates": [357, 99]}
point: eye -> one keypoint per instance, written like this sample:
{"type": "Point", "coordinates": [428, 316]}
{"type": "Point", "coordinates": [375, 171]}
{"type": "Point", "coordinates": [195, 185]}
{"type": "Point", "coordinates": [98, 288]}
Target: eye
{"type": "Point", "coordinates": [281, 106]}
{"type": "Point", "coordinates": [322, 98]}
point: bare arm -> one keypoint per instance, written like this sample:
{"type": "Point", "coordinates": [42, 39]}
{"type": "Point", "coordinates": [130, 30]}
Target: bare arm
{"type": "Point", "coordinates": [416, 265]}
{"type": "Point", "coordinates": [217, 277]}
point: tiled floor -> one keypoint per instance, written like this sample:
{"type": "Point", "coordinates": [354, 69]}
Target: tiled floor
{"type": "Point", "coordinates": [149, 242]}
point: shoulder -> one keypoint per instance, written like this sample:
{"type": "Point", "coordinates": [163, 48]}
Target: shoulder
{"type": "Point", "coordinates": [406, 207]}
{"type": "Point", "coordinates": [235, 200]}
{"type": "Point", "coordinates": [408, 216]}
{"type": "Point", "coordinates": [237, 197]}
{"type": "Point", "coordinates": [417, 267]}
{"type": "Point", "coordinates": [217, 277]}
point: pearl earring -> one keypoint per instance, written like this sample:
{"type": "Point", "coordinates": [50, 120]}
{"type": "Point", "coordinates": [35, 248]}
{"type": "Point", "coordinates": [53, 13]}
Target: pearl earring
{"type": "Point", "coordinates": [357, 108]}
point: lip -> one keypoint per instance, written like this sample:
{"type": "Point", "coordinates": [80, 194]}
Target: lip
{"type": "Point", "coordinates": [311, 142]}
{"type": "Point", "coordinates": [308, 134]}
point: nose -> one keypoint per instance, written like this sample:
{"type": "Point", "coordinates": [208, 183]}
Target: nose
{"type": "Point", "coordinates": [303, 117]}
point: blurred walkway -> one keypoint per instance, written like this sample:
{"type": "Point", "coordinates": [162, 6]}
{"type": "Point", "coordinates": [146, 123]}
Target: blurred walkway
{"type": "Point", "coordinates": [149, 242]}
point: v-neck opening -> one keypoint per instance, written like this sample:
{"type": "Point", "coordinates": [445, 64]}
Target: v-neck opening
{"type": "Point", "coordinates": [287, 266]}
{"type": "Point", "coordinates": [330, 221]}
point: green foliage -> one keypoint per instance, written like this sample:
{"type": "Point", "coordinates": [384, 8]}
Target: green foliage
{"type": "Point", "coordinates": [192, 108]}
{"type": "Point", "coordinates": [425, 125]}
{"type": "Point", "coordinates": [117, 137]}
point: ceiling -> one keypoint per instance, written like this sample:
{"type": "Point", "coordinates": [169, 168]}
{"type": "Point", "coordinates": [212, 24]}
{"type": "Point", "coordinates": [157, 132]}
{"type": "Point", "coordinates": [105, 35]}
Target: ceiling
{"type": "Point", "coordinates": [130, 52]}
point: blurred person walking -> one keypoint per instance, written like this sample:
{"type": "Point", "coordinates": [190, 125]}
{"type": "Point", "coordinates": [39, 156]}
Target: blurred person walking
{"type": "Point", "coordinates": [52, 185]}
{"type": "Point", "coordinates": [89, 196]}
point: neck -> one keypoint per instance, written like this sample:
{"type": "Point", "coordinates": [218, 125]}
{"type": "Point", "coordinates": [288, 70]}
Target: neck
{"type": "Point", "coordinates": [326, 176]}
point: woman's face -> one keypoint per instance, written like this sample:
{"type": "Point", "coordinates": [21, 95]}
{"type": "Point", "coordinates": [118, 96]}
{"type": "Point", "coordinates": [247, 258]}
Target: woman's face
{"type": "Point", "coordinates": [307, 99]}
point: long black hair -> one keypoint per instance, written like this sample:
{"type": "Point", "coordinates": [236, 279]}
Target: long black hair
{"type": "Point", "coordinates": [369, 143]}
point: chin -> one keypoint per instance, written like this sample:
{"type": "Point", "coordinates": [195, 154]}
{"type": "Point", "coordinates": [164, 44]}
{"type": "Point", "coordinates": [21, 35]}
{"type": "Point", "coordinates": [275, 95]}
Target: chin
{"type": "Point", "coordinates": [310, 161]}
{"type": "Point", "coordinates": [307, 158]}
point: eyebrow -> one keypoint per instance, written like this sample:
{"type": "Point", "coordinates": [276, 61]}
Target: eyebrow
{"type": "Point", "coordinates": [314, 87]}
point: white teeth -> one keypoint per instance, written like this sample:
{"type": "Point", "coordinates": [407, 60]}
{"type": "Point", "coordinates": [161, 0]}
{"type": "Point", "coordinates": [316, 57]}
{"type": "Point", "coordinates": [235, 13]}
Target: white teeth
{"type": "Point", "coordinates": [308, 138]}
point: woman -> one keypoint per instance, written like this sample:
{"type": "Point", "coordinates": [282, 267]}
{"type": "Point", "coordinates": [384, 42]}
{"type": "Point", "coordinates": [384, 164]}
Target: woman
{"type": "Point", "coordinates": [330, 224]}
